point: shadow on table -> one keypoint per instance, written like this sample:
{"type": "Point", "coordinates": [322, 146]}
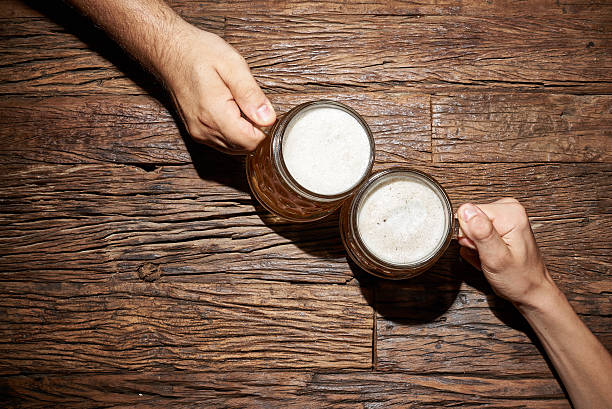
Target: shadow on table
{"type": "Point", "coordinates": [419, 300]}
{"type": "Point", "coordinates": [427, 297]}
{"type": "Point", "coordinates": [507, 313]}
{"type": "Point", "coordinates": [209, 163]}
{"type": "Point", "coordinates": [320, 238]}
{"type": "Point", "coordinates": [213, 165]}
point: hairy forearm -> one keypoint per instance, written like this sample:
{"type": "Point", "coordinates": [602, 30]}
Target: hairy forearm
{"type": "Point", "coordinates": [583, 363]}
{"type": "Point", "coordinates": [146, 29]}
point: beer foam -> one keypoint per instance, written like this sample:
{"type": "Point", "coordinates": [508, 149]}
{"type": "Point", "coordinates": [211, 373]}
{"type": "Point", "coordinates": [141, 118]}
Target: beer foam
{"type": "Point", "coordinates": [326, 150]}
{"type": "Point", "coordinates": [401, 220]}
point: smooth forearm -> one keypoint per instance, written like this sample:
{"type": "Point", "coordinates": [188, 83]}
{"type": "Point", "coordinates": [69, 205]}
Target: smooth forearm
{"type": "Point", "coordinates": [583, 363]}
{"type": "Point", "coordinates": [146, 29]}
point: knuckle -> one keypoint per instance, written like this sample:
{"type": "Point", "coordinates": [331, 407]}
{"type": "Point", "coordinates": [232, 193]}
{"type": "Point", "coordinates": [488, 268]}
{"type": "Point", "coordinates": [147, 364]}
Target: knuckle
{"type": "Point", "coordinates": [499, 261]}
{"type": "Point", "coordinates": [196, 132]}
{"type": "Point", "coordinates": [200, 133]}
{"type": "Point", "coordinates": [250, 145]}
{"type": "Point", "coordinates": [227, 111]}
{"type": "Point", "coordinates": [250, 92]}
{"type": "Point", "coordinates": [256, 140]}
{"type": "Point", "coordinates": [510, 200]}
{"type": "Point", "coordinates": [239, 59]}
{"type": "Point", "coordinates": [481, 227]}
{"type": "Point", "coordinates": [524, 224]}
{"type": "Point", "coordinates": [236, 61]}
{"type": "Point", "coordinates": [250, 142]}
{"type": "Point", "coordinates": [520, 208]}
{"type": "Point", "coordinates": [521, 216]}
{"type": "Point", "coordinates": [238, 140]}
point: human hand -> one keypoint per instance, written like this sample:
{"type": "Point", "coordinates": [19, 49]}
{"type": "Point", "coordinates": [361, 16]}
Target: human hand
{"type": "Point", "coordinates": [211, 84]}
{"type": "Point", "coordinates": [497, 239]}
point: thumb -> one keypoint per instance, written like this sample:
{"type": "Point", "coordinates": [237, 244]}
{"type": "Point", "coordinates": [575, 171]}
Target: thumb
{"type": "Point", "coordinates": [477, 226]}
{"type": "Point", "coordinates": [247, 94]}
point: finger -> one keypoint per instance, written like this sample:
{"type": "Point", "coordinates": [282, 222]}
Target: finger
{"type": "Point", "coordinates": [471, 256]}
{"type": "Point", "coordinates": [507, 200]}
{"type": "Point", "coordinates": [237, 131]}
{"type": "Point", "coordinates": [250, 98]}
{"type": "Point", "coordinates": [206, 135]}
{"type": "Point", "coordinates": [462, 239]}
{"type": "Point", "coordinates": [465, 242]}
{"type": "Point", "coordinates": [479, 228]}
{"type": "Point", "coordinates": [220, 144]}
{"type": "Point", "coordinates": [505, 214]}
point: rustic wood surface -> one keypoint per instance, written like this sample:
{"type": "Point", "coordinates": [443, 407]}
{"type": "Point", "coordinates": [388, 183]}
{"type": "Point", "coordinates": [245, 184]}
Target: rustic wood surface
{"type": "Point", "coordinates": [137, 270]}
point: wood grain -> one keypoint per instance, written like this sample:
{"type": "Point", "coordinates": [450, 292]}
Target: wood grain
{"type": "Point", "coordinates": [280, 389]}
{"type": "Point", "coordinates": [128, 129]}
{"type": "Point", "coordinates": [139, 129]}
{"type": "Point", "coordinates": [202, 224]}
{"type": "Point", "coordinates": [474, 127]}
{"type": "Point", "coordinates": [467, 127]}
{"type": "Point", "coordinates": [305, 53]}
{"type": "Point", "coordinates": [479, 333]}
{"type": "Point", "coordinates": [118, 325]}
{"type": "Point", "coordinates": [382, 50]}
{"type": "Point", "coordinates": [137, 271]}
{"type": "Point", "coordinates": [192, 8]}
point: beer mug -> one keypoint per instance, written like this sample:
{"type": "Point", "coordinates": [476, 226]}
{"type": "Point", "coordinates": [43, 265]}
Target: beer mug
{"type": "Point", "coordinates": [313, 158]}
{"type": "Point", "coordinates": [398, 223]}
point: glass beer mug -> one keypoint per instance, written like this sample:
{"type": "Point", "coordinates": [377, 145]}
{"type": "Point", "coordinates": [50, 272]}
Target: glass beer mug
{"type": "Point", "coordinates": [314, 158]}
{"type": "Point", "coordinates": [398, 223]}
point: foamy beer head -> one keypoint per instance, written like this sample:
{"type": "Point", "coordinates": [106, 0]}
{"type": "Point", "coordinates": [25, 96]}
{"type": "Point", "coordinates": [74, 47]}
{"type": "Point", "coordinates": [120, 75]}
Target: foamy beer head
{"type": "Point", "coordinates": [314, 157]}
{"type": "Point", "coordinates": [398, 224]}
{"type": "Point", "coordinates": [326, 149]}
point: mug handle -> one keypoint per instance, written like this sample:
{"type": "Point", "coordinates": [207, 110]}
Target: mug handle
{"type": "Point", "coordinates": [456, 229]}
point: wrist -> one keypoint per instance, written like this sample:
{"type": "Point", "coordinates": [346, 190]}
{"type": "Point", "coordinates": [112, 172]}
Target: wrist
{"type": "Point", "coordinates": [149, 33]}
{"type": "Point", "coordinates": [171, 55]}
{"type": "Point", "coordinates": [543, 299]}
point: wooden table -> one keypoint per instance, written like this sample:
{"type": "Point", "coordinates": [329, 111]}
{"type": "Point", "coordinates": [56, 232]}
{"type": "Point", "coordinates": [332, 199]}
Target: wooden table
{"type": "Point", "coordinates": [136, 269]}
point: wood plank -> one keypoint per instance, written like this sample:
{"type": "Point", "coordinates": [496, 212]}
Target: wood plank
{"type": "Point", "coordinates": [201, 224]}
{"type": "Point", "coordinates": [596, 10]}
{"type": "Point", "coordinates": [592, 9]}
{"type": "Point", "coordinates": [521, 128]}
{"type": "Point", "coordinates": [196, 226]}
{"type": "Point", "coordinates": [280, 389]}
{"type": "Point", "coordinates": [468, 127]}
{"type": "Point", "coordinates": [382, 50]}
{"type": "Point", "coordinates": [139, 129]}
{"type": "Point", "coordinates": [118, 325]}
{"type": "Point", "coordinates": [125, 129]}
{"type": "Point", "coordinates": [313, 52]}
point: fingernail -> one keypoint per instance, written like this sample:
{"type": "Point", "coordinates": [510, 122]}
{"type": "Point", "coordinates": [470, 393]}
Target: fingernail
{"type": "Point", "coordinates": [468, 211]}
{"type": "Point", "coordinates": [264, 113]}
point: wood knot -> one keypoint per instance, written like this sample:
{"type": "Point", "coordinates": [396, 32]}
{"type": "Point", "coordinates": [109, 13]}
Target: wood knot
{"type": "Point", "coordinates": [149, 272]}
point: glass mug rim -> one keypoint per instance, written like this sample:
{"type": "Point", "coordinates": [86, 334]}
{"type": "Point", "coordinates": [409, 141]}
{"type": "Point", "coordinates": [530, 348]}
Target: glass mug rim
{"type": "Point", "coordinates": [276, 150]}
{"type": "Point", "coordinates": [396, 270]}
